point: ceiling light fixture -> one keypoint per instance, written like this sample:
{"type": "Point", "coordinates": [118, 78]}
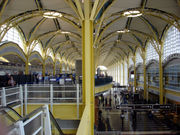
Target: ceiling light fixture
{"type": "Point", "coordinates": [123, 31]}
{"type": "Point", "coordinates": [132, 13]}
{"type": "Point", "coordinates": [65, 32]}
{"type": "Point", "coordinates": [52, 14]}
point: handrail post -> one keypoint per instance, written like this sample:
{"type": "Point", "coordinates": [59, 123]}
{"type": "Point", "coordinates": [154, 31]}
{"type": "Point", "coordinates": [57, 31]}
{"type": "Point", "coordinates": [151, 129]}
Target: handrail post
{"type": "Point", "coordinates": [77, 99]}
{"type": "Point", "coordinates": [47, 125]}
{"type": "Point", "coordinates": [21, 98]}
{"type": "Point", "coordinates": [4, 103]}
{"type": "Point", "coordinates": [21, 127]}
{"type": "Point", "coordinates": [51, 97]}
{"type": "Point", "coordinates": [25, 98]}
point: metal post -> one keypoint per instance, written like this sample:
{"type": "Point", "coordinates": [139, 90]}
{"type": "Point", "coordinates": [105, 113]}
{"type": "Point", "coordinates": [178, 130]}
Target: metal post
{"type": "Point", "coordinates": [51, 97]}
{"type": "Point", "coordinates": [4, 103]}
{"type": "Point", "coordinates": [47, 124]}
{"type": "Point", "coordinates": [25, 98]}
{"type": "Point", "coordinates": [21, 128]}
{"type": "Point", "coordinates": [21, 98]}
{"type": "Point", "coordinates": [77, 100]}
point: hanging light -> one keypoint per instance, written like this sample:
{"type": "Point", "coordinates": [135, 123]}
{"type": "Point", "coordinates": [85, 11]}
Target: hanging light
{"type": "Point", "coordinates": [132, 13]}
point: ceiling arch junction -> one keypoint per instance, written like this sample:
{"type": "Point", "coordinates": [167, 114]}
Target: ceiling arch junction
{"type": "Point", "coordinates": [120, 27]}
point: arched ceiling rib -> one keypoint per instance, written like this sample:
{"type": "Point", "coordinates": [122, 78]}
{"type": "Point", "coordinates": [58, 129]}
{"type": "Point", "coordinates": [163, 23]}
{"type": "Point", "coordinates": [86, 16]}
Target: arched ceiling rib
{"type": "Point", "coordinates": [63, 34]}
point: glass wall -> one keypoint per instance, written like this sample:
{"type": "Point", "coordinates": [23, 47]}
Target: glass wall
{"type": "Point", "coordinates": [152, 74]}
{"type": "Point", "coordinates": [172, 75]}
{"type": "Point", "coordinates": [151, 53]}
{"type": "Point", "coordinates": [14, 36]}
{"type": "Point", "coordinates": [172, 42]}
{"type": "Point", "coordinates": [172, 67]}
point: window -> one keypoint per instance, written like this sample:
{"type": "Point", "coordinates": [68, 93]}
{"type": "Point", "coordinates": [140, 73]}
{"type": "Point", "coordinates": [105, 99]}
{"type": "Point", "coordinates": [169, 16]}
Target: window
{"type": "Point", "coordinates": [151, 53]}
{"type": "Point", "coordinates": [14, 36]}
{"type": "Point", "coordinates": [172, 42]}
{"type": "Point", "coordinates": [138, 57]}
{"type": "Point", "coordinates": [38, 47]}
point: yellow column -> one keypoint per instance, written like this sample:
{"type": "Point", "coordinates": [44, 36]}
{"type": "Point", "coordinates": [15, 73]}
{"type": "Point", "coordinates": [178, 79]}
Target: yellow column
{"type": "Point", "coordinates": [161, 89]}
{"type": "Point", "coordinates": [123, 74]}
{"type": "Point", "coordinates": [120, 73]}
{"type": "Point", "coordinates": [43, 69]}
{"type": "Point", "coordinates": [128, 71]}
{"type": "Point", "coordinates": [135, 84]}
{"type": "Point", "coordinates": [116, 73]}
{"type": "Point", "coordinates": [27, 66]}
{"type": "Point", "coordinates": [54, 69]}
{"type": "Point", "coordinates": [83, 65]}
{"type": "Point", "coordinates": [145, 82]}
{"type": "Point", "coordinates": [60, 69]}
{"type": "Point", "coordinates": [88, 62]}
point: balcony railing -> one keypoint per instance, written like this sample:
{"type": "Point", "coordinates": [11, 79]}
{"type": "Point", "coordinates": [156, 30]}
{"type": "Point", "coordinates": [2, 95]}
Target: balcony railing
{"type": "Point", "coordinates": [40, 94]}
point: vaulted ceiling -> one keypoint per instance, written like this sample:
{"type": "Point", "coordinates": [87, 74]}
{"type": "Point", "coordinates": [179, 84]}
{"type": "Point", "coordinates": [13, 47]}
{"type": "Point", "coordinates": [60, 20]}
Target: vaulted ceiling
{"type": "Point", "coordinates": [115, 34]}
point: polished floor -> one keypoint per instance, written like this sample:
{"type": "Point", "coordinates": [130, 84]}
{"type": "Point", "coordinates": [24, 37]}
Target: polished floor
{"type": "Point", "coordinates": [116, 121]}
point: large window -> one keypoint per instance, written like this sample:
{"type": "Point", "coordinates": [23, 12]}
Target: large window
{"type": "Point", "coordinates": [138, 57]}
{"type": "Point", "coordinates": [151, 53]}
{"type": "Point", "coordinates": [14, 36]}
{"type": "Point", "coordinates": [38, 47]}
{"type": "Point", "coordinates": [172, 42]}
{"type": "Point", "coordinates": [131, 63]}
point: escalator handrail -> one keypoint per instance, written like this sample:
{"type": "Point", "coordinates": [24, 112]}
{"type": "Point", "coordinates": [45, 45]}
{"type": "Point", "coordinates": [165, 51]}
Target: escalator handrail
{"type": "Point", "coordinates": [55, 122]}
{"type": "Point", "coordinates": [8, 107]}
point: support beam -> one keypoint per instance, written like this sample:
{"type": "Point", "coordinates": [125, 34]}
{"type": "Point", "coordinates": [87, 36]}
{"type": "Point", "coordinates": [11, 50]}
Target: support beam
{"type": "Point", "coordinates": [3, 6]}
{"type": "Point", "coordinates": [54, 69]}
{"type": "Point", "coordinates": [43, 69]}
{"type": "Point", "coordinates": [88, 72]}
{"type": "Point", "coordinates": [123, 74]}
{"type": "Point", "coordinates": [135, 83]}
{"type": "Point", "coordinates": [145, 81]}
{"type": "Point", "coordinates": [60, 70]}
{"type": "Point", "coordinates": [120, 73]}
{"type": "Point", "coordinates": [27, 66]}
{"type": "Point", "coordinates": [161, 89]}
{"type": "Point", "coordinates": [128, 71]}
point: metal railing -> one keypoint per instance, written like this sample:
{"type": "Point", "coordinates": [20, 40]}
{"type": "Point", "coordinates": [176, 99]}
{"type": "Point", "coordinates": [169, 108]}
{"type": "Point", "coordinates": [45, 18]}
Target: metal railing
{"type": "Point", "coordinates": [10, 96]}
{"type": "Point", "coordinates": [37, 122]}
{"type": "Point", "coordinates": [40, 94]}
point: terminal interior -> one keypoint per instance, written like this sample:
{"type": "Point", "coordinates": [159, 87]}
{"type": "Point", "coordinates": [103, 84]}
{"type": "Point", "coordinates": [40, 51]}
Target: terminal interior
{"type": "Point", "coordinates": [89, 67]}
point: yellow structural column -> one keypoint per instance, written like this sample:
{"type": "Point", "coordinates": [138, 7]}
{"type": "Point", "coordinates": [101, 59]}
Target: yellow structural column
{"type": "Point", "coordinates": [27, 66]}
{"type": "Point", "coordinates": [120, 73]}
{"type": "Point", "coordinates": [116, 72]}
{"type": "Point", "coordinates": [89, 68]}
{"type": "Point", "coordinates": [128, 71]}
{"type": "Point", "coordinates": [161, 89]}
{"type": "Point", "coordinates": [144, 73]}
{"type": "Point", "coordinates": [135, 84]}
{"type": "Point", "coordinates": [54, 69]}
{"type": "Point", "coordinates": [83, 65]}
{"type": "Point", "coordinates": [123, 73]}
{"type": "Point", "coordinates": [43, 69]}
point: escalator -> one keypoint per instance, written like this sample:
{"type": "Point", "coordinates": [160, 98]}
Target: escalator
{"type": "Point", "coordinates": [8, 115]}
{"type": "Point", "coordinates": [38, 122]}
{"type": "Point", "coordinates": [55, 128]}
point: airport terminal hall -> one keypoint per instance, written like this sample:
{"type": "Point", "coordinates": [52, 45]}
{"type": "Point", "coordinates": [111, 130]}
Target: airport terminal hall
{"type": "Point", "coordinates": [89, 67]}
